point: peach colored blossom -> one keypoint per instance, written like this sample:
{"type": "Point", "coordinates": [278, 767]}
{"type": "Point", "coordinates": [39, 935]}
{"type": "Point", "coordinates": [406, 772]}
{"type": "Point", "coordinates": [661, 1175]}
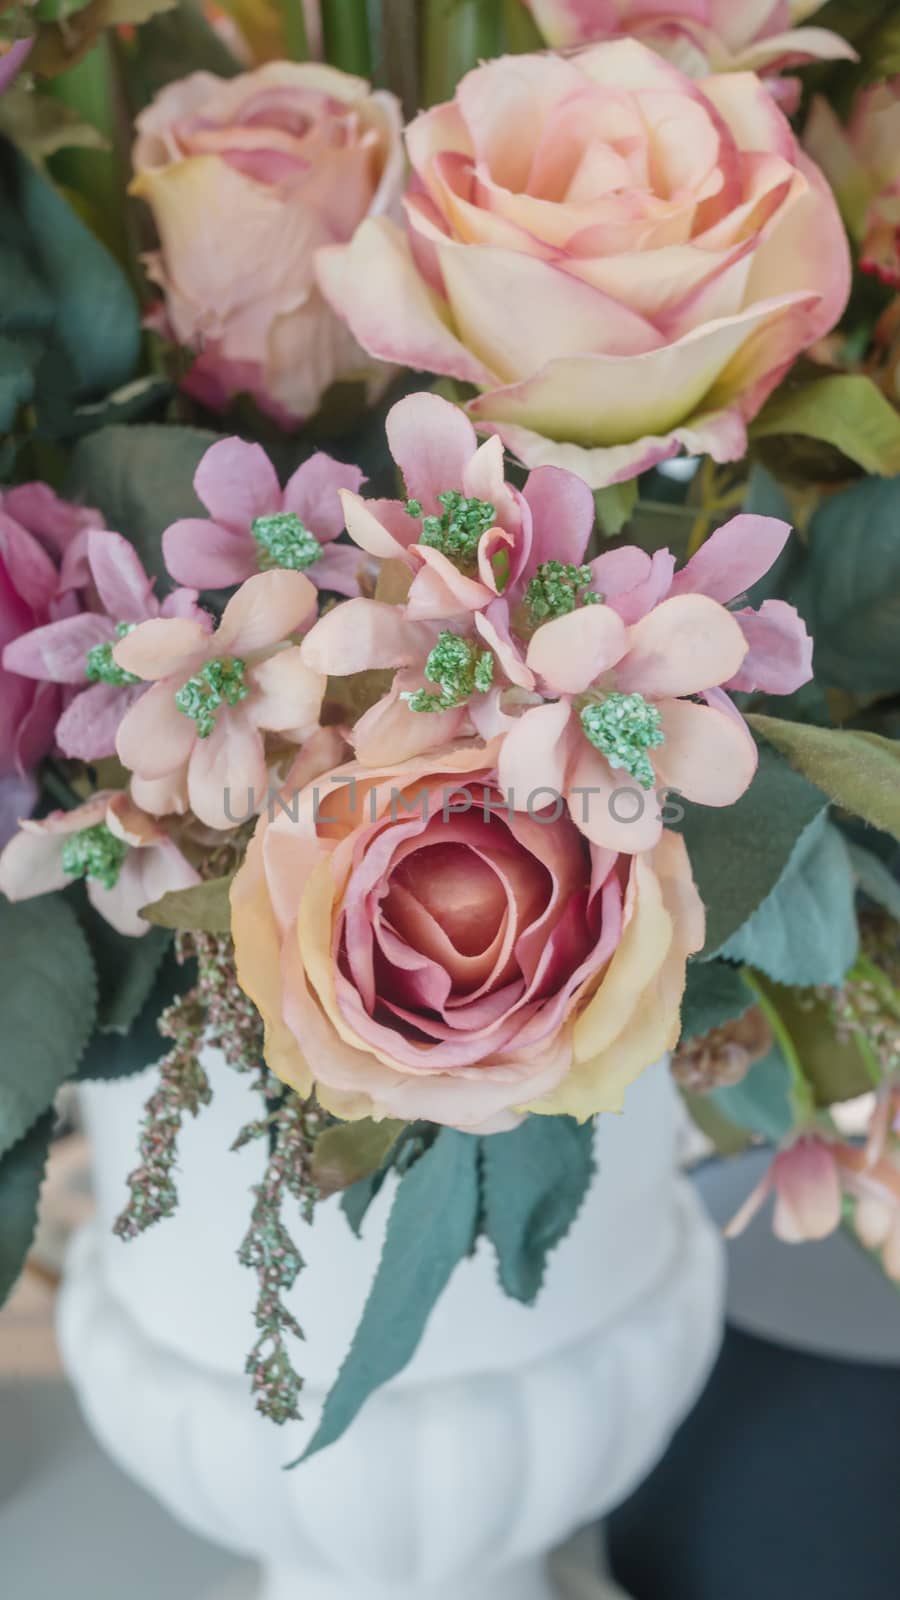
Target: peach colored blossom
{"type": "Point", "coordinates": [805, 1178]}
{"type": "Point", "coordinates": [416, 950]}
{"type": "Point", "coordinates": [128, 860]}
{"type": "Point", "coordinates": [215, 695]}
{"type": "Point", "coordinates": [681, 249]}
{"type": "Point", "coordinates": [247, 178]}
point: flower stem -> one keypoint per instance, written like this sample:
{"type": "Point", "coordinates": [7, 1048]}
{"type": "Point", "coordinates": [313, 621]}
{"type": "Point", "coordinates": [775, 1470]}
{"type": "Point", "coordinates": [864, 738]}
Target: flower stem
{"type": "Point", "coordinates": [522, 32]}
{"type": "Point", "coordinates": [97, 176]}
{"type": "Point", "coordinates": [345, 26]}
{"type": "Point", "coordinates": [456, 35]}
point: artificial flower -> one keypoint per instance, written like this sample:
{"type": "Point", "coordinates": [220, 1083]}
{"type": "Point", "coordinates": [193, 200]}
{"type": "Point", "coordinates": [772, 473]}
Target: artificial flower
{"type": "Point", "coordinates": [215, 695]}
{"type": "Point", "coordinates": [125, 857]}
{"type": "Point", "coordinates": [254, 524]}
{"type": "Point", "coordinates": [862, 163]}
{"type": "Point", "coordinates": [36, 530]}
{"type": "Point", "coordinates": [699, 36]}
{"type": "Point", "coordinates": [12, 60]}
{"type": "Point", "coordinates": [246, 179]}
{"type": "Point", "coordinates": [77, 650]}
{"type": "Point", "coordinates": [875, 1190]}
{"type": "Point", "coordinates": [680, 248]}
{"type": "Point", "coordinates": [610, 679]}
{"type": "Point", "coordinates": [418, 949]}
{"type": "Point", "coordinates": [805, 1178]}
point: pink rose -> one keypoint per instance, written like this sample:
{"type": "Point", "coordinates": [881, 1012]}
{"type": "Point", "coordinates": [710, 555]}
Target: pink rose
{"type": "Point", "coordinates": [418, 950]}
{"type": "Point", "coordinates": [625, 263]}
{"type": "Point", "coordinates": [700, 36]}
{"type": "Point", "coordinates": [36, 530]}
{"type": "Point", "coordinates": [246, 179]}
{"type": "Point", "coordinates": [862, 163]}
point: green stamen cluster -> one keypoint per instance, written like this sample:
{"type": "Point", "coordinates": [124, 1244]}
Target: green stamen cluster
{"type": "Point", "coordinates": [94, 853]}
{"type": "Point", "coordinates": [218, 683]}
{"type": "Point", "coordinates": [459, 669]}
{"type": "Point", "coordinates": [284, 541]}
{"type": "Point", "coordinates": [99, 666]}
{"type": "Point", "coordinates": [556, 589]}
{"type": "Point", "coordinates": [624, 727]}
{"type": "Point", "coordinates": [457, 533]}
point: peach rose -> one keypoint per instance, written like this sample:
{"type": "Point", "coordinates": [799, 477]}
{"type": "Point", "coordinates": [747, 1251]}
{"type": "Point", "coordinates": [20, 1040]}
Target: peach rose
{"type": "Point", "coordinates": [700, 36]}
{"type": "Point", "coordinates": [624, 262]}
{"type": "Point", "coordinates": [862, 163]}
{"type": "Point", "coordinates": [416, 950]}
{"type": "Point", "coordinates": [246, 179]}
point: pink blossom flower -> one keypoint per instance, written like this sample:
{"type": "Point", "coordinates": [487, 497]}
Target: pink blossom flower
{"type": "Point", "coordinates": [862, 163]}
{"type": "Point", "coordinates": [608, 679]}
{"type": "Point", "coordinates": [875, 1188]}
{"type": "Point", "coordinates": [77, 650]}
{"type": "Point", "coordinates": [805, 1178]}
{"type": "Point", "coordinates": [36, 531]}
{"type": "Point", "coordinates": [255, 525]}
{"type": "Point", "coordinates": [214, 695]}
{"type": "Point", "coordinates": [126, 858]}
{"type": "Point", "coordinates": [12, 60]}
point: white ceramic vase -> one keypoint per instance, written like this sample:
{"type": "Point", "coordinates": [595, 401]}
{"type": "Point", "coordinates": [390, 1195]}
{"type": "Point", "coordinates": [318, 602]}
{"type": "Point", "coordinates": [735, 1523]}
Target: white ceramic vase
{"type": "Point", "coordinates": [509, 1429]}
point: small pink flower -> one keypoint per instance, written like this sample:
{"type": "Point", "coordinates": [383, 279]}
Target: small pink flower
{"type": "Point", "coordinates": [608, 680]}
{"type": "Point", "coordinates": [876, 1213]}
{"type": "Point", "coordinates": [126, 858]}
{"type": "Point", "coordinates": [805, 1178]}
{"type": "Point", "coordinates": [77, 650]}
{"type": "Point", "coordinates": [465, 535]}
{"type": "Point", "coordinates": [215, 694]}
{"type": "Point", "coordinates": [255, 525]}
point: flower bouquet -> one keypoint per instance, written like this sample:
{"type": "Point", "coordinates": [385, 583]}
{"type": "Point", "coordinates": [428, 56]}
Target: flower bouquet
{"type": "Point", "coordinates": [449, 585]}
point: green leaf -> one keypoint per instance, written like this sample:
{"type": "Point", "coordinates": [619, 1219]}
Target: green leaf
{"type": "Point", "coordinates": [126, 968]}
{"type": "Point", "coordinates": [16, 382]}
{"type": "Point", "coordinates": [854, 572]}
{"type": "Point", "coordinates": [847, 411]}
{"type": "Point", "coordinates": [21, 1176]}
{"type": "Point", "coordinates": [832, 1064]}
{"type": "Point", "coordinates": [356, 1200]}
{"type": "Point", "coordinates": [762, 1102]}
{"type": "Point", "coordinates": [352, 1151]}
{"type": "Point", "coordinates": [96, 323]}
{"type": "Point", "coordinates": [169, 47]}
{"type": "Point", "coordinates": [805, 931]}
{"type": "Point", "coordinates": [875, 879]}
{"type": "Point", "coordinates": [715, 993]}
{"type": "Point", "coordinates": [112, 1055]}
{"type": "Point", "coordinates": [204, 908]}
{"type": "Point", "coordinates": [48, 1001]}
{"type": "Point", "coordinates": [141, 478]}
{"type": "Point", "coordinates": [534, 1182]}
{"type": "Point", "coordinates": [858, 771]}
{"type": "Point", "coordinates": [432, 1227]}
{"type": "Point", "coordinates": [738, 854]}
{"type": "Point", "coordinates": [726, 1137]}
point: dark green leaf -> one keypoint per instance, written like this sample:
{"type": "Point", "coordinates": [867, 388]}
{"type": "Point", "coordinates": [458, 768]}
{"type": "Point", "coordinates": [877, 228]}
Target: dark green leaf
{"type": "Point", "coordinates": [858, 771]}
{"type": "Point", "coordinates": [96, 323]}
{"type": "Point", "coordinates": [141, 478]}
{"type": "Point", "coordinates": [356, 1200]}
{"type": "Point", "coordinates": [21, 1176]}
{"type": "Point", "coordinates": [535, 1180]}
{"type": "Point", "coordinates": [805, 931]}
{"type": "Point", "coordinates": [432, 1227]}
{"type": "Point", "coordinates": [48, 1001]}
{"type": "Point", "coordinates": [352, 1151]}
{"type": "Point", "coordinates": [854, 544]}
{"type": "Point", "coordinates": [171, 46]}
{"type": "Point", "coordinates": [715, 993]}
{"type": "Point", "coordinates": [832, 1064]}
{"type": "Point", "coordinates": [16, 381]}
{"type": "Point", "coordinates": [739, 853]}
{"type": "Point", "coordinates": [126, 968]}
{"type": "Point", "coordinates": [111, 1055]}
{"type": "Point", "coordinates": [204, 908]}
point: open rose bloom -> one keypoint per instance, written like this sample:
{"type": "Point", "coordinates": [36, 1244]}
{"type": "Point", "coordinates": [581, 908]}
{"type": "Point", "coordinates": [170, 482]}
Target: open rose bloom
{"type": "Point", "coordinates": [246, 179]}
{"type": "Point", "coordinates": [622, 261]}
{"type": "Point", "coordinates": [700, 36]}
{"type": "Point", "coordinates": [417, 950]}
